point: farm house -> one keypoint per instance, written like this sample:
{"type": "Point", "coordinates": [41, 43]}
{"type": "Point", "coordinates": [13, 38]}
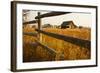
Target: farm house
{"type": "Point", "coordinates": [68, 24]}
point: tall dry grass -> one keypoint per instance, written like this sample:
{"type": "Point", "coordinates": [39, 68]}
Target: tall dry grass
{"type": "Point", "coordinates": [68, 50]}
{"type": "Point", "coordinates": [31, 51]}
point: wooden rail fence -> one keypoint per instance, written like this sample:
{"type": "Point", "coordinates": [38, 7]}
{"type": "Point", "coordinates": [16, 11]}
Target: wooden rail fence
{"type": "Point", "coordinates": [77, 41]}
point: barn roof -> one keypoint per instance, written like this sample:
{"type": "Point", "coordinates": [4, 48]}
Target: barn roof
{"type": "Point", "coordinates": [67, 22]}
{"type": "Point", "coordinates": [46, 25]}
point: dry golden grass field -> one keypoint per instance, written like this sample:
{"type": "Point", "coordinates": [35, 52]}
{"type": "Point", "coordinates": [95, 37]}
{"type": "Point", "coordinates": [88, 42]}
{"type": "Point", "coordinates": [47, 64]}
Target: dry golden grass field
{"type": "Point", "coordinates": [33, 52]}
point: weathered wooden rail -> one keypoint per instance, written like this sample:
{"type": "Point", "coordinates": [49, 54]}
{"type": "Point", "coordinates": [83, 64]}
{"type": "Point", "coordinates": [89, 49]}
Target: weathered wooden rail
{"type": "Point", "coordinates": [77, 41]}
{"type": "Point", "coordinates": [51, 14]}
{"type": "Point", "coordinates": [51, 51]}
{"type": "Point", "coordinates": [30, 34]}
{"type": "Point", "coordinates": [30, 22]}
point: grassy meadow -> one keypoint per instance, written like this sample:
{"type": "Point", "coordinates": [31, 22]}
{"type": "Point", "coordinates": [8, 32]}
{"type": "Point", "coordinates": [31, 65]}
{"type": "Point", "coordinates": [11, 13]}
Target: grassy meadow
{"type": "Point", "coordinates": [32, 52]}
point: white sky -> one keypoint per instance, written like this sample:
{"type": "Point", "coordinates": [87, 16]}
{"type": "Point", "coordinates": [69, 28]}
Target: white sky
{"type": "Point", "coordinates": [80, 19]}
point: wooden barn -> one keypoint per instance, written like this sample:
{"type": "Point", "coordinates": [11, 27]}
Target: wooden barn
{"type": "Point", "coordinates": [46, 26]}
{"type": "Point", "coordinates": [68, 24]}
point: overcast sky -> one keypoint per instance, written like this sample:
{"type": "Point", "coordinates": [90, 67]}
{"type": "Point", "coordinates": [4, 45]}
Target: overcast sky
{"type": "Point", "coordinates": [79, 19]}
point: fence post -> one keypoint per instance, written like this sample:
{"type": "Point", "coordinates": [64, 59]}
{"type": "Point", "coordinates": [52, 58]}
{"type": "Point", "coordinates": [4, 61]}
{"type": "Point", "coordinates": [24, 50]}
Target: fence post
{"type": "Point", "coordinates": [39, 27]}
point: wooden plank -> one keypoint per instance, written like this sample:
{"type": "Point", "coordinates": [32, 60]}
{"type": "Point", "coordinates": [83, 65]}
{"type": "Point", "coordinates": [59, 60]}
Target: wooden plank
{"type": "Point", "coordinates": [30, 22]}
{"type": "Point", "coordinates": [51, 14]}
{"type": "Point", "coordinates": [30, 34]}
{"type": "Point", "coordinates": [50, 50]}
{"type": "Point", "coordinates": [76, 41]}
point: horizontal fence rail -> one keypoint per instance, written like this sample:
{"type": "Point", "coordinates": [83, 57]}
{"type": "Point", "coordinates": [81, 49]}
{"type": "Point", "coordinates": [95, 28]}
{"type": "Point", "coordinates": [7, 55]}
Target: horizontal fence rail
{"type": "Point", "coordinates": [50, 50]}
{"type": "Point", "coordinates": [30, 33]}
{"type": "Point", "coordinates": [51, 14]}
{"type": "Point", "coordinates": [76, 41]}
{"type": "Point", "coordinates": [30, 22]}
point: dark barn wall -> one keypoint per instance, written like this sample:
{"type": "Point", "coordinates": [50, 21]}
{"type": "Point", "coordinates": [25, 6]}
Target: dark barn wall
{"type": "Point", "coordinates": [68, 24]}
